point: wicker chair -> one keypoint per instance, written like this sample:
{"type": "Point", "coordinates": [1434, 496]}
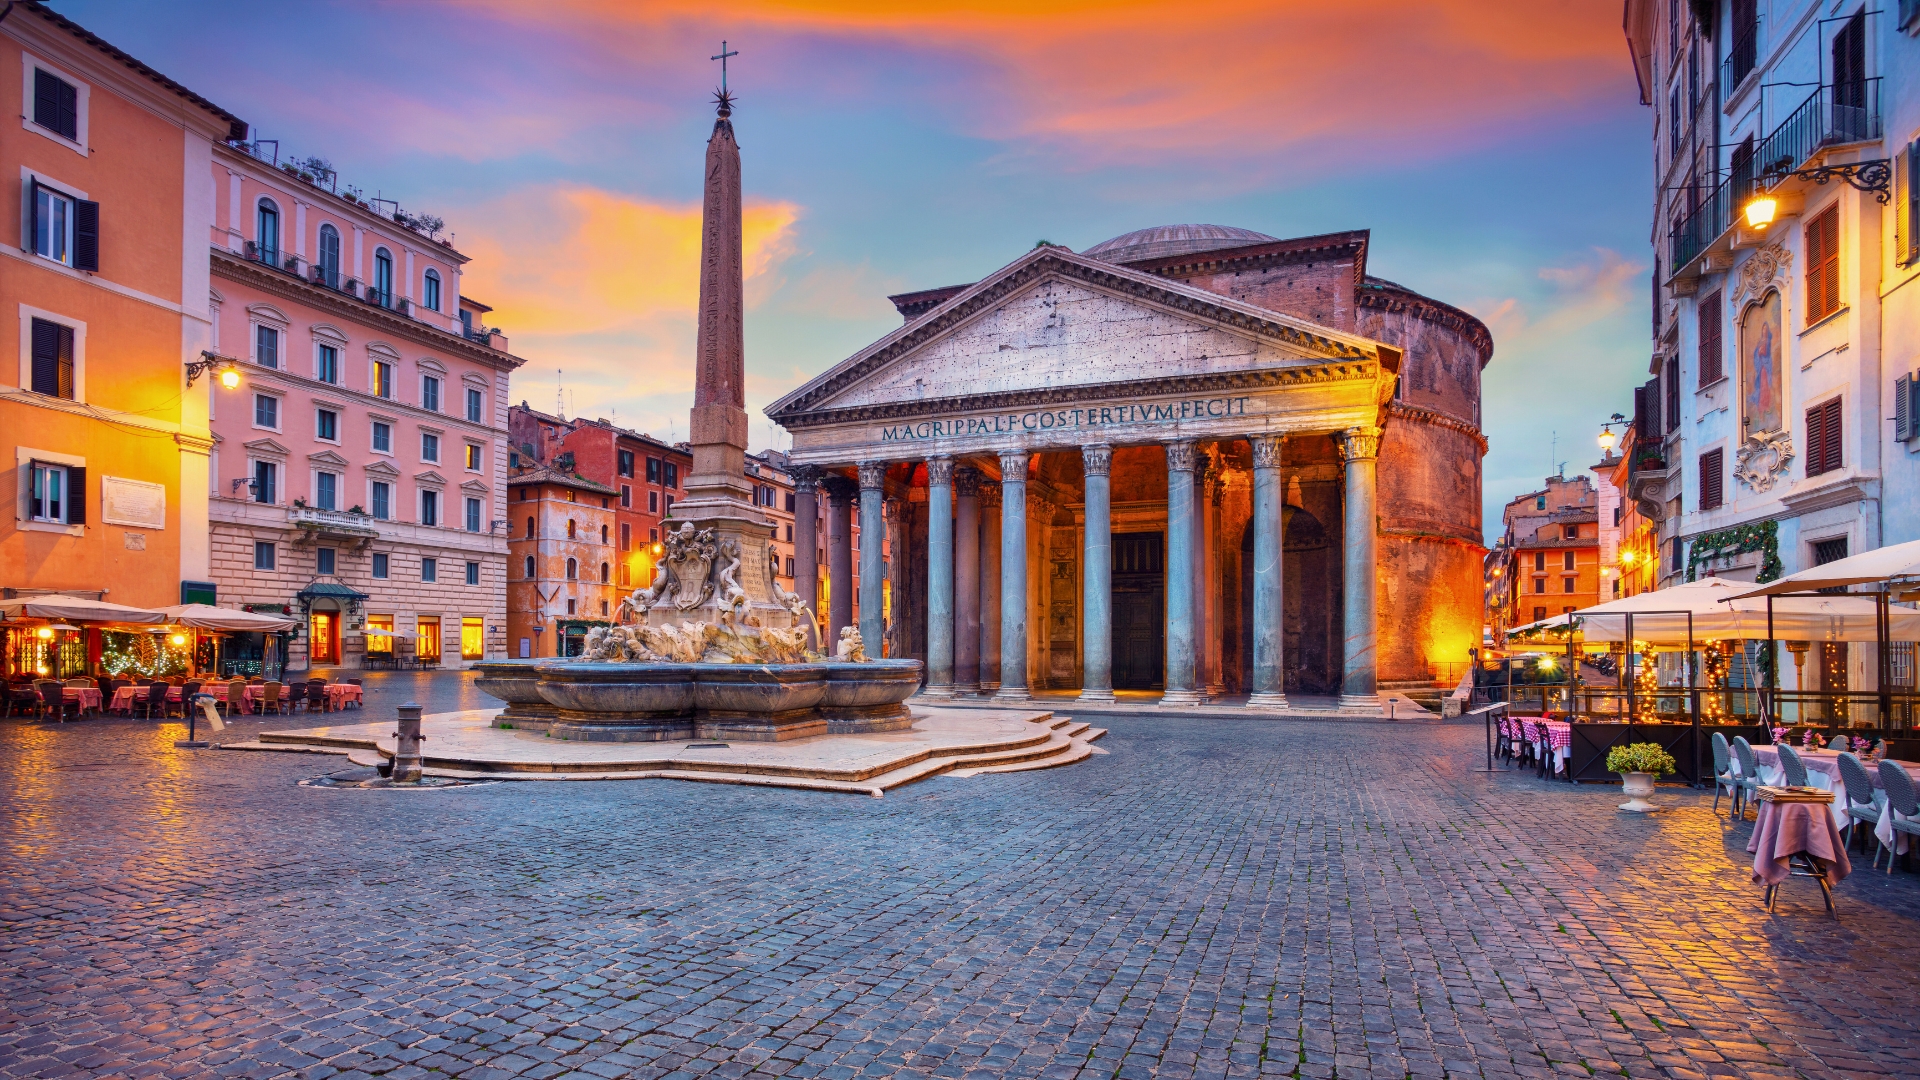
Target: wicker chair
{"type": "Point", "coordinates": [1793, 771]}
{"type": "Point", "coordinates": [52, 700]}
{"type": "Point", "coordinates": [1723, 777]}
{"type": "Point", "coordinates": [1903, 801]}
{"type": "Point", "coordinates": [316, 695]}
{"type": "Point", "coordinates": [1859, 790]}
{"type": "Point", "coordinates": [270, 698]}
{"type": "Point", "coordinates": [236, 696]}
{"type": "Point", "coordinates": [1749, 772]}
{"type": "Point", "coordinates": [156, 698]}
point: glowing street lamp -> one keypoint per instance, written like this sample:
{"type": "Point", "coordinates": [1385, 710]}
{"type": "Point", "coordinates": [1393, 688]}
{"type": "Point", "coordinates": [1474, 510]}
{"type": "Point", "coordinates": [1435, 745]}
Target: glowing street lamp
{"type": "Point", "coordinates": [1761, 209]}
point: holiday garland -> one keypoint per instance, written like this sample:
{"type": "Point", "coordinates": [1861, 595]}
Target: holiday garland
{"type": "Point", "coordinates": [1760, 536]}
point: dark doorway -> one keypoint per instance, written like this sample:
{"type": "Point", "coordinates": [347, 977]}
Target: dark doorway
{"type": "Point", "coordinates": [1139, 610]}
{"type": "Point", "coordinates": [1311, 596]}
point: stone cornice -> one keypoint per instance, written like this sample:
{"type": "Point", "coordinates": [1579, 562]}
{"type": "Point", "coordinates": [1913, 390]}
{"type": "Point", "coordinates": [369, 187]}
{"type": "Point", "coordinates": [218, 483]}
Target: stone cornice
{"type": "Point", "coordinates": [1418, 415]}
{"type": "Point", "coordinates": [1270, 378]}
{"type": "Point", "coordinates": [1385, 296]}
{"type": "Point", "coordinates": [231, 266]}
{"type": "Point", "coordinates": [1261, 256]}
{"type": "Point", "coordinates": [1044, 263]}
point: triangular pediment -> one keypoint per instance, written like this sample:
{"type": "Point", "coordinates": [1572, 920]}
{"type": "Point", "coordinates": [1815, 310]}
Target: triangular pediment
{"type": "Point", "coordinates": [266, 446]}
{"type": "Point", "coordinates": [328, 458]}
{"type": "Point", "coordinates": [381, 468]}
{"type": "Point", "coordinates": [430, 477]}
{"type": "Point", "coordinates": [1053, 321]}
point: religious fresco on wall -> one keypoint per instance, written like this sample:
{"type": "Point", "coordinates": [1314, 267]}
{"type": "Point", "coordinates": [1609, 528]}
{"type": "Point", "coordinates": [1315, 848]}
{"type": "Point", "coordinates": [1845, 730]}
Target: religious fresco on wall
{"type": "Point", "coordinates": [1761, 406]}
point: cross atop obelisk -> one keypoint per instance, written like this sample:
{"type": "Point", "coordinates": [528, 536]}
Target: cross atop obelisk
{"type": "Point", "coordinates": [723, 64]}
{"type": "Point", "coordinates": [719, 428]}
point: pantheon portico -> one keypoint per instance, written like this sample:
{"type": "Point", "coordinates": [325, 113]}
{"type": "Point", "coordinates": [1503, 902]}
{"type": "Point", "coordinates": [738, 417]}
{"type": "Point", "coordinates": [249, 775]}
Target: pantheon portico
{"type": "Point", "coordinates": [1155, 466]}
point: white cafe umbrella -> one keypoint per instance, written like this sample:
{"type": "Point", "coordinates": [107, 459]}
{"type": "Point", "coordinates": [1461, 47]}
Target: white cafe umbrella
{"type": "Point", "coordinates": [1726, 610]}
{"type": "Point", "coordinates": [1899, 562]}
{"type": "Point", "coordinates": [208, 617]}
{"type": "Point", "coordinates": [77, 609]}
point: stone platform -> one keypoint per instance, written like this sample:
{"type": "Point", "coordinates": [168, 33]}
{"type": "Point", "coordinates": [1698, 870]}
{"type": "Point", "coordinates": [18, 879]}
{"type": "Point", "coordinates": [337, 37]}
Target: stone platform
{"type": "Point", "coordinates": [962, 742]}
{"type": "Point", "coordinates": [1393, 706]}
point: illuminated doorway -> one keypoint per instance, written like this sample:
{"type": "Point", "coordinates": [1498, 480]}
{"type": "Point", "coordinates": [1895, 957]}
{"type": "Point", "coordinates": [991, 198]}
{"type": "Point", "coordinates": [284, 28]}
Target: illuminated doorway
{"type": "Point", "coordinates": [473, 639]}
{"type": "Point", "coordinates": [428, 650]}
{"type": "Point", "coordinates": [324, 634]}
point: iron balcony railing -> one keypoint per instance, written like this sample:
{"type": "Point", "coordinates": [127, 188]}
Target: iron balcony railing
{"type": "Point", "coordinates": [1831, 116]}
{"type": "Point", "coordinates": [1742, 58]}
{"type": "Point", "coordinates": [1847, 112]}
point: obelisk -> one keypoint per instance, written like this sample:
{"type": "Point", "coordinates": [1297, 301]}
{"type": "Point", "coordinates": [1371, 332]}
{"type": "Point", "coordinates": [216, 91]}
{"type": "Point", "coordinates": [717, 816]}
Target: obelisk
{"type": "Point", "coordinates": [719, 423]}
{"type": "Point", "coordinates": [718, 494]}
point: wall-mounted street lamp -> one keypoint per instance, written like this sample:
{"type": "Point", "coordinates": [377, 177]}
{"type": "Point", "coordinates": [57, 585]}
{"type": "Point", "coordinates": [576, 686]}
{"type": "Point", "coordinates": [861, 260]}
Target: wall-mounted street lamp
{"type": "Point", "coordinates": [1607, 438]}
{"type": "Point", "coordinates": [229, 371]}
{"type": "Point", "coordinates": [1875, 177]}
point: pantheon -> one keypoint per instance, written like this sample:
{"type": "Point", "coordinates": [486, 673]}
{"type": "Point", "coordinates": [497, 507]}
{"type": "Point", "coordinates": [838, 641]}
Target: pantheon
{"type": "Point", "coordinates": [1192, 459]}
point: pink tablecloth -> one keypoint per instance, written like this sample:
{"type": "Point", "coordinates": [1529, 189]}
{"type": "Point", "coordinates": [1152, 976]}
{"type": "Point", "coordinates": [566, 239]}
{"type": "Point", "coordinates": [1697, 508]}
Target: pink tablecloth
{"type": "Point", "coordinates": [125, 698]}
{"type": "Point", "coordinates": [1785, 829]}
{"type": "Point", "coordinates": [338, 694]}
{"type": "Point", "coordinates": [87, 696]}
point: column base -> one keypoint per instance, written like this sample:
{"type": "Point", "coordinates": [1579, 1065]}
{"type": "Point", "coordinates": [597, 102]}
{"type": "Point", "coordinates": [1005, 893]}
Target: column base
{"type": "Point", "coordinates": [1182, 697]}
{"type": "Point", "coordinates": [1216, 689]}
{"type": "Point", "coordinates": [1012, 693]}
{"type": "Point", "coordinates": [1360, 703]}
{"type": "Point", "coordinates": [966, 690]}
{"type": "Point", "coordinates": [1097, 695]}
{"type": "Point", "coordinates": [942, 692]}
{"type": "Point", "coordinates": [1268, 701]}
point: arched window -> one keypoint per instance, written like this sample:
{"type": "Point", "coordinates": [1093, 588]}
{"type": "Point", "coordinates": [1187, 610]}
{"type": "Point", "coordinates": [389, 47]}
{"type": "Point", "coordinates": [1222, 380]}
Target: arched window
{"type": "Point", "coordinates": [430, 295]}
{"type": "Point", "coordinates": [529, 568]}
{"type": "Point", "coordinates": [571, 532]}
{"type": "Point", "coordinates": [573, 569]}
{"type": "Point", "coordinates": [383, 277]}
{"type": "Point", "coordinates": [330, 256]}
{"type": "Point", "coordinates": [606, 573]}
{"type": "Point", "coordinates": [529, 526]}
{"type": "Point", "coordinates": [266, 233]}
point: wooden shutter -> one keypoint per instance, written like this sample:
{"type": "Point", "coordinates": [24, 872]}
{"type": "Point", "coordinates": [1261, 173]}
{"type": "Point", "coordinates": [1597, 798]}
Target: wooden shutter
{"type": "Point", "coordinates": [1712, 483]}
{"type": "Point", "coordinates": [1903, 408]}
{"type": "Point", "coordinates": [52, 359]}
{"type": "Point", "coordinates": [86, 235]}
{"type": "Point", "coordinates": [76, 495]}
{"type": "Point", "coordinates": [1673, 393]}
{"type": "Point", "coordinates": [1711, 315]}
{"type": "Point", "coordinates": [56, 104]}
{"type": "Point", "coordinates": [1813, 457]}
{"type": "Point", "coordinates": [1823, 264]}
{"type": "Point", "coordinates": [1902, 204]}
{"type": "Point", "coordinates": [1830, 436]}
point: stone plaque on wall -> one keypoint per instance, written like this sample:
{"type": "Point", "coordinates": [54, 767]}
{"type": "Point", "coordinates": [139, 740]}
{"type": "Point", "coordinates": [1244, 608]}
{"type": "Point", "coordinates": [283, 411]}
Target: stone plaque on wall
{"type": "Point", "coordinates": [133, 502]}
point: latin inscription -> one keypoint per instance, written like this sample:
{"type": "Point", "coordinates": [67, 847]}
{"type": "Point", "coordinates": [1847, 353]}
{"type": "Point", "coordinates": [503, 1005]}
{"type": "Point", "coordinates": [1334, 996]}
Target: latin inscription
{"type": "Point", "coordinates": [1103, 416]}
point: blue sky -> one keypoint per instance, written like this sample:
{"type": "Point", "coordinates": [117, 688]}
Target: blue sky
{"type": "Point", "coordinates": [1495, 148]}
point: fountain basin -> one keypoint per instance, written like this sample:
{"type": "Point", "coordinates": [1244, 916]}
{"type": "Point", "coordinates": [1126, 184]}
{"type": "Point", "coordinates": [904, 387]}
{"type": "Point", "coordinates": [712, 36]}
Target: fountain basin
{"type": "Point", "coordinates": [648, 702]}
{"type": "Point", "coordinates": [516, 682]}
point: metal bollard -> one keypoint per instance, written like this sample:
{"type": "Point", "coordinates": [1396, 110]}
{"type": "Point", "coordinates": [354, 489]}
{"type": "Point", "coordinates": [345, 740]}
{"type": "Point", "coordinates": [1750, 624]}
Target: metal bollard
{"type": "Point", "coordinates": [406, 751]}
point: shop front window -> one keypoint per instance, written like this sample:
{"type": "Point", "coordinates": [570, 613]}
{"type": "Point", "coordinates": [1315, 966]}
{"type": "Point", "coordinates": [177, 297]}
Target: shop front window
{"type": "Point", "coordinates": [429, 641]}
{"type": "Point", "coordinates": [473, 638]}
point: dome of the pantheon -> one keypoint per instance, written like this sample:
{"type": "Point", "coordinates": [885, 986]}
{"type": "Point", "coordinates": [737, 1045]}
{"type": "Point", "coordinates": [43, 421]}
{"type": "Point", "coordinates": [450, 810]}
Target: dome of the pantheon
{"type": "Point", "coordinates": [1164, 240]}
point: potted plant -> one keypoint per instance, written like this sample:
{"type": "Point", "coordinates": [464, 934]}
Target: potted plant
{"type": "Point", "coordinates": [1638, 766]}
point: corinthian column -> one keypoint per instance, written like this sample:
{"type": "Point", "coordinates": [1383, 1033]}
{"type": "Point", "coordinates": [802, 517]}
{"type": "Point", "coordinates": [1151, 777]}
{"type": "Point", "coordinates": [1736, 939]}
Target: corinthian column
{"type": "Point", "coordinates": [873, 556]}
{"type": "Point", "coordinates": [966, 580]}
{"type": "Point", "coordinates": [1013, 577]}
{"type": "Point", "coordinates": [840, 494]}
{"type": "Point", "coordinates": [989, 587]}
{"type": "Point", "coordinates": [806, 545]}
{"type": "Point", "coordinates": [1096, 576]}
{"type": "Point", "coordinates": [1179, 576]}
{"type": "Point", "coordinates": [940, 578]}
{"type": "Point", "coordinates": [896, 579]}
{"type": "Point", "coordinates": [1359, 688]}
{"type": "Point", "coordinates": [1269, 606]}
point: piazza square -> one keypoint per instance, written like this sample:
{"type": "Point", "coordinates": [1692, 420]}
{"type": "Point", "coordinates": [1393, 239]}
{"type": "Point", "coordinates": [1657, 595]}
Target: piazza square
{"type": "Point", "coordinates": [850, 574]}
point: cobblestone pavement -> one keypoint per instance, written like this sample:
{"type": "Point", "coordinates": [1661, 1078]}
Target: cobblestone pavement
{"type": "Point", "coordinates": [1215, 898]}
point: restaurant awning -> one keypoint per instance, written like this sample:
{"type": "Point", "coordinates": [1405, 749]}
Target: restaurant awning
{"type": "Point", "coordinates": [77, 609]}
{"type": "Point", "coordinates": [1723, 610]}
{"type": "Point", "coordinates": [1898, 562]}
{"type": "Point", "coordinates": [208, 617]}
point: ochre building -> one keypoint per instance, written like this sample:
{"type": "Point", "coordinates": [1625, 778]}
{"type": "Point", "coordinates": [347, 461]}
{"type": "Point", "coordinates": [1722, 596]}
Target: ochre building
{"type": "Point", "coordinates": [1192, 459]}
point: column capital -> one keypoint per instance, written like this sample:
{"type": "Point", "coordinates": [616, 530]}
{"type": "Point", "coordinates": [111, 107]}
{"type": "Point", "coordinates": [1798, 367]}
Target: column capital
{"type": "Point", "coordinates": [806, 479]}
{"type": "Point", "coordinates": [839, 489]}
{"type": "Point", "coordinates": [873, 475]}
{"type": "Point", "coordinates": [939, 471]}
{"type": "Point", "coordinates": [1267, 450]}
{"type": "Point", "coordinates": [989, 495]}
{"type": "Point", "coordinates": [966, 481]}
{"type": "Point", "coordinates": [1013, 466]}
{"type": "Point", "coordinates": [1180, 456]}
{"type": "Point", "coordinates": [1097, 458]}
{"type": "Point", "coordinates": [1359, 443]}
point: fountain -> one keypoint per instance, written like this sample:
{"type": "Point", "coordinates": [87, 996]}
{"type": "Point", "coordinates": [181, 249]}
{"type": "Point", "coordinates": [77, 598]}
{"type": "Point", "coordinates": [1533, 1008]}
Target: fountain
{"type": "Point", "coordinates": [718, 650]}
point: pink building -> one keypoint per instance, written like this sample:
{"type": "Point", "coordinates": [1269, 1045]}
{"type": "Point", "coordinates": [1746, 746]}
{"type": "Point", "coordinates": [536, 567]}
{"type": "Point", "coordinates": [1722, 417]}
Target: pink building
{"type": "Point", "coordinates": [360, 461]}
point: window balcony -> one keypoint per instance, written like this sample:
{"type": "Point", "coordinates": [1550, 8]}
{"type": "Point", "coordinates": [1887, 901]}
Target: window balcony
{"type": "Point", "coordinates": [1833, 116]}
{"type": "Point", "coordinates": [316, 524]}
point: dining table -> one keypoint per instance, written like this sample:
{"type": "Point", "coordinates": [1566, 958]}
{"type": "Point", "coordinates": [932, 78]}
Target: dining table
{"type": "Point", "coordinates": [126, 697]}
{"type": "Point", "coordinates": [1788, 830]}
{"type": "Point", "coordinates": [87, 696]}
{"type": "Point", "coordinates": [1823, 771]}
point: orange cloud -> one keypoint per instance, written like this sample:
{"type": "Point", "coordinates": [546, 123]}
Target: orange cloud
{"type": "Point", "coordinates": [1108, 78]}
{"type": "Point", "coordinates": [580, 260]}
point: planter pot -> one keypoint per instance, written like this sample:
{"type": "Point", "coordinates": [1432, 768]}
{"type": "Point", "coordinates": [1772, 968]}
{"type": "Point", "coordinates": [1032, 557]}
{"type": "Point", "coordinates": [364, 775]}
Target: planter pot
{"type": "Point", "coordinates": [1637, 786]}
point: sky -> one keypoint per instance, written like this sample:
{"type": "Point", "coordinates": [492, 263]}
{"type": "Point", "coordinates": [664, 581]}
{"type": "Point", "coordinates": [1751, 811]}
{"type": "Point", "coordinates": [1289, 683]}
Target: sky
{"type": "Point", "coordinates": [1496, 149]}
